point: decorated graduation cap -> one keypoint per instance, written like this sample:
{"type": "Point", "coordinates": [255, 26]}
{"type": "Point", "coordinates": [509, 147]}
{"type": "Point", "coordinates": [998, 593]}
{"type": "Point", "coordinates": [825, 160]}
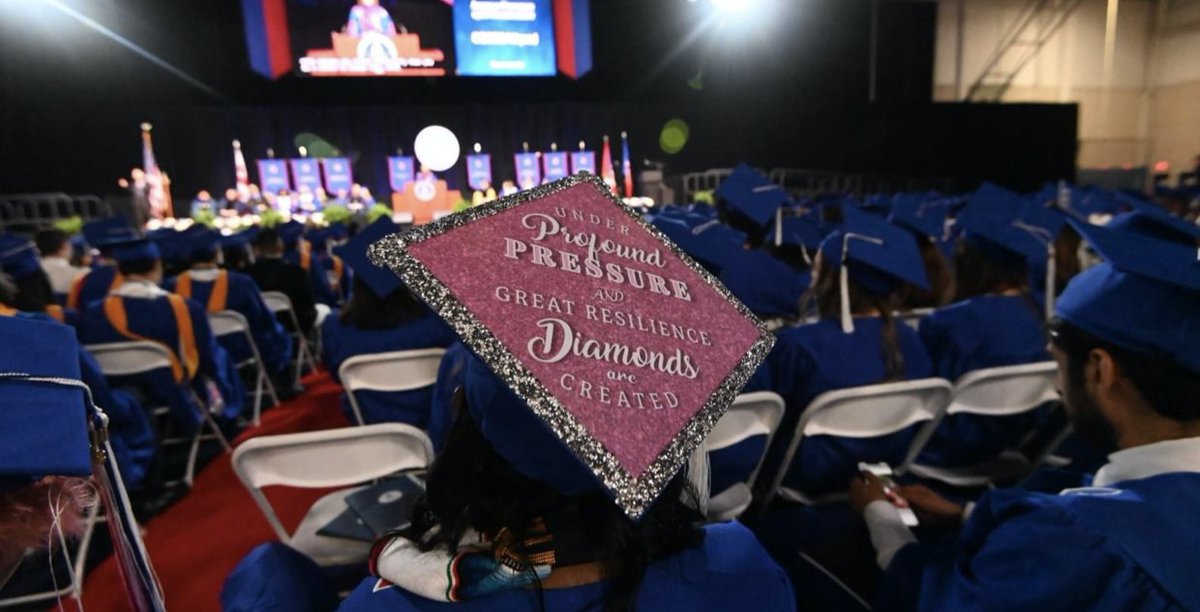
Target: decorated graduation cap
{"type": "Point", "coordinates": [623, 349]}
{"type": "Point", "coordinates": [1144, 296]}
{"type": "Point", "coordinates": [381, 280]}
{"type": "Point", "coordinates": [752, 195]}
{"type": "Point", "coordinates": [18, 257]}
{"type": "Point", "coordinates": [104, 232]}
{"type": "Point", "coordinates": [876, 254]}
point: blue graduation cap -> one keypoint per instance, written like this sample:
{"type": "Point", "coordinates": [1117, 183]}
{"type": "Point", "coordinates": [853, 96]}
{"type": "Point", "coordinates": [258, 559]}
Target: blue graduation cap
{"type": "Point", "coordinates": [802, 230]}
{"type": "Point", "coordinates": [382, 281]}
{"type": "Point", "coordinates": [1149, 219]}
{"type": "Point", "coordinates": [104, 232]}
{"type": "Point", "coordinates": [202, 241]}
{"type": "Point", "coordinates": [877, 255]}
{"type": "Point", "coordinates": [239, 239]}
{"type": "Point", "coordinates": [290, 233]}
{"type": "Point", "coordinates": [711, 243]}
{"type": "Point", "coordinates": [752, 195]}
{"type": "Point", "coordinates": [18, 257]}
{"type": "Point", "coordinates": [519, 436]}
{"type": "Point", "coordinates": [919, 213]}
{"type": "Point", "coordinates": [138, 249]}
{"type": "Point", "coordinates": [1144, 296]}
{"type": "Point", "coordinates": [319, 238]}
{"type": "Point", "coordinates": [43, 426]}
{"type": "Point", "coordinates": [1006, 239]}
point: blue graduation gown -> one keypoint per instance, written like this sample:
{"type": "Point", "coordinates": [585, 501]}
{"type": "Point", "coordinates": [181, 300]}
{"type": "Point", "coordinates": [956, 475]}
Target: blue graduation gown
{"type": "Point", "coordinates": [811, 359]}
{"type": "Point", "coordinates": [276, 578]}
{"type": "Point", "coordinates": [92, 286]}
{"type": "Point", "coordinates": [1131, 546]}
{"type": "Point", "coordinates": [243, 297]}
{"type": "Point", "coordinates": [452, 374]}
{"type": "Point", "coordinates": [982, 332]}
{"type": "Point", "coordinates": [766, 285]}
{"type": "Point", "coordinates": [729, 571]}
{"type": "Point", "coordinates": [341, 342]}
{"type": "Point", "coordinates": [154, 318]}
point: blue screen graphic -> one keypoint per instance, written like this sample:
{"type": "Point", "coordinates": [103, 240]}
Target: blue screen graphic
{"type": "Point", "coordinates": [504, 38]}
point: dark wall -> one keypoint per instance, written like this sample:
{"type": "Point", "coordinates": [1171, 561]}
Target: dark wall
{"type": "Point", "coordinates": [792, 91]}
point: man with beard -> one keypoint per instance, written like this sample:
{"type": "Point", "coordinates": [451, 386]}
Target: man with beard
{"type": "Point", "coordinates": [1127, 342]}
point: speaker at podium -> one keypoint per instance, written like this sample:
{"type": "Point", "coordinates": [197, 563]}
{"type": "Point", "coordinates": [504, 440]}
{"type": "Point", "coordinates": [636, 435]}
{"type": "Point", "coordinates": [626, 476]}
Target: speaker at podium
{"type": "Point", "coordinates": [425, 200]}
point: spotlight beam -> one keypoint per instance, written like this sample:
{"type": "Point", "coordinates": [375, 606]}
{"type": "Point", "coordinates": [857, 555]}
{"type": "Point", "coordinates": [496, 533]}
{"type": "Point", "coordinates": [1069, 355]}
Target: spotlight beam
{"type": "Point", "coordinates": [128, 44]}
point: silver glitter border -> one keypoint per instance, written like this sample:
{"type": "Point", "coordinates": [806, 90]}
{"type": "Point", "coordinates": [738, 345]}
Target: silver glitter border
{"type": "Point", "coordinates": [634, 495]}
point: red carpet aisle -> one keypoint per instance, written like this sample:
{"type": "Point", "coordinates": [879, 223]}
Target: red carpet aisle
{"type": "Point", "coordinates": [197, 542]}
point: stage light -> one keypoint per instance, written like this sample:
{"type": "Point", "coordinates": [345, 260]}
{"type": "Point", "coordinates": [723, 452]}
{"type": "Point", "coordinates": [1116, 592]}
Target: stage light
{"type": "Point", "coordinates": [436, 147]}
{"type": "Point", "coordinates": [674, 136]}
{"type": "Point", "coordinates": [732, 6]}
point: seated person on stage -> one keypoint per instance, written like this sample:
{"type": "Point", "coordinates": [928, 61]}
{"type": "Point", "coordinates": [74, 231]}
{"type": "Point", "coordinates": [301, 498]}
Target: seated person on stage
{"type": "Point", "coordinates": [855, 343]}
{"type": "Point", "coordinates": [55, 248]}
{"type": "Point", "coordinates": [94, 285]}
{"type": "Point", "coordinates": [140, 310]}
{"type": "Point", "coordinates": [272, 273]}
{"type": "Point", "coordinates": [994, 323]}
{"type": "Point", "coordinates": [529, 527]}
{"type": "Point", "coordinates": [129, 428]}
{"type": "Point", "coordinates": [203, 202]}
{"type": "Point", "coordinates": [298, 251]}
{"type": "Point", "coordinates": [367, 16]}
{"type": "Point", "coordinates": [32, 292]}
{"type": "Point", "coordinates": [382, 316]}
{"type": "Point", "coordinates": [1127, 343]}
{"type": "Point", "coordinates": [220, 290]}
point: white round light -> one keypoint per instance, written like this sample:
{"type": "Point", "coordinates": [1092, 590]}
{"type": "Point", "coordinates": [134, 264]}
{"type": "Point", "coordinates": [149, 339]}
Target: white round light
{"type": "Point", "coordinates": [436, 147]}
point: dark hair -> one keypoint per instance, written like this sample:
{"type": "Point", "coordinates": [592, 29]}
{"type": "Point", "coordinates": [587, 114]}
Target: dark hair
{"type": "Point", "coordinates": [50, 241]}
{"type": "Point", "coordinates": [470, 486]}
{"type": "Point", "coordinates": [204, 256]}
{"type": "Point", "coordinates": [826, 295]}
{"type": "Point", "coordinates": [267, 239]}
{"type": "Point", "coordinates": [1170, 389]}
{"type": "Point", "coordinates": [937, 270]}
{"type": "Point", "coordinates": [978, 272]}
{"type": "Point", "coordinates": [136, 266]}
{"type": "Point", "coordinates": [366, 310]}
{"type": "Point", "coordinates": [34, 292]}
{"type": "Point", "coordinates": [236, 258]}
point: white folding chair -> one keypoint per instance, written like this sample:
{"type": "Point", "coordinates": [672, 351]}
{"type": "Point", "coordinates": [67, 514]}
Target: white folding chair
{"type": "Point", "coordinates": [752, 414]}
{"type": "Point", "coordinates": [330, 458]}
{"type": "Point", "coordinates": [229, 323]}
{"type": "Point", "coordinates": [392, 371]}
{"type": "Point", "coordinates": [912, 318]}
{"type": "Point", "coordinates": [139, 357]}
{"type": "Point", "coordinates": [993, 392]}
{"type": "Point", "coordinates": [278, 302]}
{"type": "Point", "coordinates": [864, 412]}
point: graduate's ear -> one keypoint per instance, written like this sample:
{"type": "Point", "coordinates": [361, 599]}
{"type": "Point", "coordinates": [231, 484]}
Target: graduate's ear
{"type": "Point", "coordinates": [1102, 372]}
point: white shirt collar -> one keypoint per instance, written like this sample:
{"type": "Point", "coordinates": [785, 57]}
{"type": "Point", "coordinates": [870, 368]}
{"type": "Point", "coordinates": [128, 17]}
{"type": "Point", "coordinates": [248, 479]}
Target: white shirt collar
{"type": "Point", "coordinates": [56, 261]}
{"type": "Point", "coordinates": [1148, 460]}
{"type": "Point", "coordinates": [204, 275]}
{"type": "Point", "coordinates": [139, 289]}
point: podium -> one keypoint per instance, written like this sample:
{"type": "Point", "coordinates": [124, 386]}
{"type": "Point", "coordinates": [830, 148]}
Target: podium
{"type": "Point", "coordinates": [422, 199]}
{"type": "Point", "coordinates": [374, 54]}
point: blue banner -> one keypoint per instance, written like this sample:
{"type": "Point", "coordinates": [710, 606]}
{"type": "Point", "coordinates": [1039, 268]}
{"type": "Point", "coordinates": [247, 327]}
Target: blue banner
{"type": "Point", "coordinates": [479, 170]}
{"type": "Point", "coordinates": [529, 171]}
{"type": "Point", "coordinates": [504, 38]}
{"type": "Point", "coordinates": [583, 160]}
{"type": "Point", "coordinates": [400, 172]}
{"type": "Point", "coordinates": [272, 175]}
{"type": "Point", "coordinates": [554, 166]}
{"type": "Point", "coordinates": [305, 173]}
{"type": "Point", "coordinates": [337, 173]}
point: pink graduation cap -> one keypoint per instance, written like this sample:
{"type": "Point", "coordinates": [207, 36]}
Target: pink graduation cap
{"type": "Point", "coordinates": [627, 349]}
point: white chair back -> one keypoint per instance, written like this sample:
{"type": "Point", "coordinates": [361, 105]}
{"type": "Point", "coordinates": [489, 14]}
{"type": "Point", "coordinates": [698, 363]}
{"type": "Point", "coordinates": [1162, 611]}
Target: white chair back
{"type": "Point", "coordinates": [277, 301]}
{"type": "Point", "coordinates": [129, 358]}
{"type": "Point", "coordinates": [391, 371]}
{"type": "Point", "coordinates": [1005, 390]}
{"type": "Point", "coordinates": [227, 322]}
{"type": "Point", "coordinates": [868, 412]}
{"type": "Point", "coordinates": [330, 458]}
{"type": "Point", "coordinates": [752, 414]}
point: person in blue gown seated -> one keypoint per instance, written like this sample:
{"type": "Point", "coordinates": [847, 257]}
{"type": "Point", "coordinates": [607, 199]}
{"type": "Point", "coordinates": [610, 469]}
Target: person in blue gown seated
{"type": "Point", "coordinates": [522, 524]}
{"type": "Point", "coordinates": [337, 273]}
{"type": "Point", "coordinates": [1127, 342]}
{"type": "Point", "coordinates": [129, 428]}
{"type": "Point", "coordinates": [855, 342]}
{"type": "Point", "coordinates": [201, 376]}
{"type": "Point", "coordinates": [382, 316]}
{"type": "Point", "coordinates": [993, 323]}
{"type": "Point", "coordinates": [32, 289]}
{"type": "Point", "coordinates": [103, 278]}
{"type": "Point", "coordinates": [925, 216]}
{"type": "Point", "coordinates": [297, 251]}
{"type": "Point", "coordinates": [219, 290]}
{"type": "Point", "coordinates": [767, 286]}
